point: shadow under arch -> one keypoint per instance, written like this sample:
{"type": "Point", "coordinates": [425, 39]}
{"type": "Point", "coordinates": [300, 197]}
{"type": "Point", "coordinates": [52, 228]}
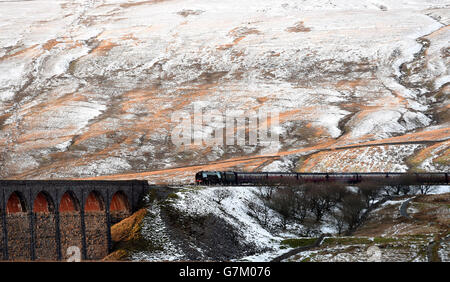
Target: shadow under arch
{"type": "Point", "coordinates": [69, 203]}
{"type": "Point", "coordinates": [43, 202]}
{"type": "Point", "coordinates": [120, 207]}
{"type": "Point", "coordinates": [16, 203]}
{"type": "Point", "coordinates": [119, 202]}
{"type": "Point", "coordinates": [94, 202]}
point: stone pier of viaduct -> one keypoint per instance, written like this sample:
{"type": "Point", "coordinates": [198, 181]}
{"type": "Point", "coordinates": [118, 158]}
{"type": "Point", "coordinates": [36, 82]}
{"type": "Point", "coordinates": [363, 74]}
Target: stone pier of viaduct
{"type": "Point", "coordinates": [46, 219]}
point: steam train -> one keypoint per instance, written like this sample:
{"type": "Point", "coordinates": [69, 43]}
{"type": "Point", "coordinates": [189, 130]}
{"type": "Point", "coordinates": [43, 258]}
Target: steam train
{"type": "Point", "coordinates": [280, 178]}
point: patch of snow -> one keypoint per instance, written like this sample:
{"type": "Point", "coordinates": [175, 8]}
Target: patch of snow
{"type": "Point", "coordinates": [102, 167]}
{"type": "Point", "coordinates": [283, 165]}
{"type": "Point", "coordinates": [366, 159]}
{"type": "Point", "coordinates": [63, 146]}
{"type": "Point", "coordinates": [383, 122]}
{"type": "Point", "coordinates": [440, 189]}
{"type": "Point", "coordinates": [59, 64]}
{"type": "Point", "coordinates": [392, 202]}
{"type": "Point", "coordinates": [201, 202]}
{"type": "Point", "coordinates": [154, 231]}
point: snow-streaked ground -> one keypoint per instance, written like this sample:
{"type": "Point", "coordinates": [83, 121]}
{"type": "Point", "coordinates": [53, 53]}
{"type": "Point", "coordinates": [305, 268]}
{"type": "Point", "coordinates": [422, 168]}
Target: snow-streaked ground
{"type": "Point", "coordinates": [153, 230]}
{"type": "Point", "coordinates": [233, 208]}
{"type": "Point", "coordinates": [232, 204]}
{"type": "Point", "coordinates": [440, 189]}
{"type": "Point", "coordinates": [85, 82]}
{"type": "Point", "coordinates": [408, 251]}
{"type": "Point", "coordinates": [367, 159]}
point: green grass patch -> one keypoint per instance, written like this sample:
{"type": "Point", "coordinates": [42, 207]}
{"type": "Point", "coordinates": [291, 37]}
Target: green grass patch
{"type": "Point", "coordinates": [298, 242]}
{"type": "Point", "coordinates": [308, 259]}
{"type": "Point", "coordinates": [384, 240]}
{"type": "Point", "coordinates": [443, 160]}
{"type": "Point", "coordinates": [173, 196]}
{"type": "Point", "coordinates": [193, 188]}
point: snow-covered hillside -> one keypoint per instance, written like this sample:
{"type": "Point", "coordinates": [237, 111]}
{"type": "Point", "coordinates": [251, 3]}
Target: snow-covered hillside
{"type": "Point", "coordinates": [217, 223]}
{"type": "Point", "coordinates": [239, 224]}
{"type": "Point", "coordinates": [88, 88]}
{"type": "Point", "coordinates": [231, 207]}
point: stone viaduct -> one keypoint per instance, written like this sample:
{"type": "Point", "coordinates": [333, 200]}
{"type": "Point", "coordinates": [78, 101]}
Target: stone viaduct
{"type": "Point", "coordinates": [46, 219]}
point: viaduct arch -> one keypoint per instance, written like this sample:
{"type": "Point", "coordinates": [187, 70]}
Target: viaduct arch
{"type": "Point", "coordinates": [41, 219]}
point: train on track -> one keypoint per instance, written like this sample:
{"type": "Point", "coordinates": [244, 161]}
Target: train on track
{"type": "Point", "coordinates": [289, 178]}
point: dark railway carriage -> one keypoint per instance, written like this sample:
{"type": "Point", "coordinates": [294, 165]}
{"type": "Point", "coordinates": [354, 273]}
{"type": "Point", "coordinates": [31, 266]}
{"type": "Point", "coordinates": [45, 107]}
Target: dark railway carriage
{"type": "Point", "coordinates": [372, 177]}
{"type": "Point", "coordinates": [277, 178]}
{"type": "Point", "coordinates": [229, 178]}
{"type": "Point", "coordinates": [426, 178]}
{"type": "Point", "coordinates": [310, 177]}
{"type": "Point", "coordinates": [250, 178]}
{"type": "Point", "coordinates": [341, 177]}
